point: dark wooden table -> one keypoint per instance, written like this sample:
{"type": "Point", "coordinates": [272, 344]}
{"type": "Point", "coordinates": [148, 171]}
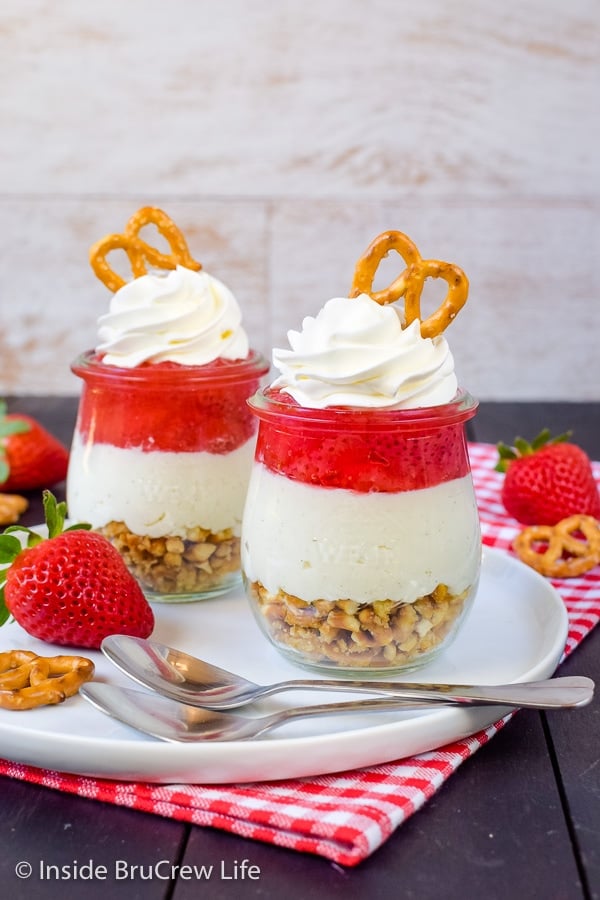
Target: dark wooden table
{"type": "Point", "coordinates": [520, 819]}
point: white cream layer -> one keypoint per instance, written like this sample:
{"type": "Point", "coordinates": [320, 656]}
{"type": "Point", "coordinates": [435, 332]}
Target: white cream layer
{"type": "Point", "coordinates": [158, 493]}
{"type": "Point", "coordinates": [333, 544]}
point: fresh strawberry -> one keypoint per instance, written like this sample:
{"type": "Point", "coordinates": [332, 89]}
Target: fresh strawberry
{"type": "Point", "coordinates": [72, 588]}
{"type": "Point", "coordinates": [30, 457]}
{"type": "Point", "coordinates": [547, 480]}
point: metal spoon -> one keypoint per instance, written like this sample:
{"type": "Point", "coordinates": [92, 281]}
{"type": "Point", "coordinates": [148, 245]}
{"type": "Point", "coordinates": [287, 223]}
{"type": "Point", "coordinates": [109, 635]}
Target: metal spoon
{"type": "Point", "coordinates": [179, 722]}
{"type": "Point", "coordinates": [190, 680]}
{"type": "Point", "coordinates": [172, 721]}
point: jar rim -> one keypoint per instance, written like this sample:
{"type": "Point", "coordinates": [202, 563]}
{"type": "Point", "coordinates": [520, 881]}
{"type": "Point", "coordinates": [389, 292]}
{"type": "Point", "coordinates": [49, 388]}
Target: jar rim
{"type": "Point", "coordinates": [268, 407]}
{"type": "Point", "coordinates": [89, 366]}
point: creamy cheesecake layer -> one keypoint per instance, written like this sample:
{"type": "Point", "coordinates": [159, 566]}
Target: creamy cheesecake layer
{"type": "Point", "coordinates": [327, 543]}
{"type": "Point", "coordinates": [158, 493]}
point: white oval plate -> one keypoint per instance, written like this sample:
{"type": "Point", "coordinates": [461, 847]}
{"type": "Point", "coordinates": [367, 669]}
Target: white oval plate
{"type": "Point", "coordinates": [516, 631]}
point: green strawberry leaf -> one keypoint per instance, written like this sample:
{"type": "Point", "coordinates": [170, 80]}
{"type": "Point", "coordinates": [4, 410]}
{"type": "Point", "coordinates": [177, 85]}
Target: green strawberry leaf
{"type": "Point", "coordinates": [561, 438]}
{"type": "Point", "coordinates": [505, 451]}
{"type": "Point", "coordinates": [10, 547]}
{"type": "Point", "coordinates": [523, 447]}
{"type": "Point", "coordinates": [541, 440]}
{"type": "Point", "coordinates": [33, 537]}
{"type": "Point", "coordinates": [506, 454]}
{"type": "Point", "coordinates": [8, 427]}
{"type": "Point", "coordinates": [4, 612]}
{"type": "Point", "coordinates": [11, 426]}
{"type": "Point", "coordinates": [80, 526]}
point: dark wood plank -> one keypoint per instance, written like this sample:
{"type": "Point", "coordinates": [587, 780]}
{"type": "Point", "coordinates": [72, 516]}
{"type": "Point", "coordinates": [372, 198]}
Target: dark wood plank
{"type": "Point", "coordinates": [504, 421]}
{"type": "Point", "coordinates": [575, 738]}
{"type": "Point", "coordinates": [45, 828]}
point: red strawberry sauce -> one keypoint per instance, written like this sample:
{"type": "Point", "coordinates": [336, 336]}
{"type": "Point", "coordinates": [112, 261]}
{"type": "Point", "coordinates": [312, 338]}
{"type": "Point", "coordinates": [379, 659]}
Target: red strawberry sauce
{"type": "Point", "coordinates": [385, 450]}
{"type": "Point", "coordinates": [168, 407]}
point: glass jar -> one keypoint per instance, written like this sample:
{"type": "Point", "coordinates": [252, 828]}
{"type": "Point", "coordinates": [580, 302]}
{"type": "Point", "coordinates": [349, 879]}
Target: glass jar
{"type": "Point", "coordinates": [160, 462]}
{"type": "Point", "coordinates": [361, 546]}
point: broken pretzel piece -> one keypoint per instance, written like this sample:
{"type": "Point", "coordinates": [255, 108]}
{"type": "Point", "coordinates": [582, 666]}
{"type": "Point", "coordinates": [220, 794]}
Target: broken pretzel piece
{"type": "Point", "coordinates": [12, 506]}
{"type": "Point", "coordinates": [28, 680]}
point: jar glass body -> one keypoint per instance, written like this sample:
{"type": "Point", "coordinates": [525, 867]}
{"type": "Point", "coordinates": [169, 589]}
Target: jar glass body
{"type": "Point", "coordinates": [361, 545]}
{"type": "Point", "coordinates": [159, 464]}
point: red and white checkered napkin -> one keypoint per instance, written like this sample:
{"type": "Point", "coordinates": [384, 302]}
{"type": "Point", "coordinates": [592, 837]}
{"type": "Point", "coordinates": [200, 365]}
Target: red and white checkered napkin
{"type": "Point", "coordinates": [343, 817]}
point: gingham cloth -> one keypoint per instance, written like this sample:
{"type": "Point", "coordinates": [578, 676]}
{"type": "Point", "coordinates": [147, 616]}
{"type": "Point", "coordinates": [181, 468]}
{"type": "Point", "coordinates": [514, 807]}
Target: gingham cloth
{"type": "Point", "coordinates": [343, 817]}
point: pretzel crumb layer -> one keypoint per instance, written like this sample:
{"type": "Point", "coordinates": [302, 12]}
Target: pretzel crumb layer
{"type": "Point", "coordinates": [197, 562]}
{"type": "Point", "coordinates": [348, 634]}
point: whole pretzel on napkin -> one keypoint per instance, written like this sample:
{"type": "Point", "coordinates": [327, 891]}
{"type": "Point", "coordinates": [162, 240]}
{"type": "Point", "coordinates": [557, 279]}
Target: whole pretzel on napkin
{"type": "Point", "coordinates": [28, 680]}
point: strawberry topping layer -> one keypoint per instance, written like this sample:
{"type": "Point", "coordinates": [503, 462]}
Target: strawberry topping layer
{"type": "Point", "coordinates": [360, 456]}
{"type": "Point", "coordinates": [168, 407]}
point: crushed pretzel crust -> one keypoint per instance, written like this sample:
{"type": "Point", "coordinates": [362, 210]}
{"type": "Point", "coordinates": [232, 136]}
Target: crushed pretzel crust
{"type": "Point", "coordinates": [347, 634]}
{"type": "Point", "coordinates": [198, 562]}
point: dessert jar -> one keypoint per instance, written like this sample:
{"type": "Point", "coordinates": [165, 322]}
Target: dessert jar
{"type": "Point", "coordinates": [361, 545]}
{"type": "Point", "coordinates": [159, 464]}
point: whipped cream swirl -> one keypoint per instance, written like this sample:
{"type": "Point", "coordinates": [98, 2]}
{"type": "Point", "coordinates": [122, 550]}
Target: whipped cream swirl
{"type": "Point", "coordinates": [356, 353]}
{"type": "Point", "coordinates": [179, 316]}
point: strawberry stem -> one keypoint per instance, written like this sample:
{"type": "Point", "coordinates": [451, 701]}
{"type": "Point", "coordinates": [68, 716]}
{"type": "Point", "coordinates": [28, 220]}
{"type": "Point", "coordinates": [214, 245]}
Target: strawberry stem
{"type": "Point", "coordinates": [54, 514]}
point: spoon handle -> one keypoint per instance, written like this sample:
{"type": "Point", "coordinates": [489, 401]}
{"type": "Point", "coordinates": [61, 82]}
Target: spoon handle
{"type": "Point", "coordinates": [553, 693]}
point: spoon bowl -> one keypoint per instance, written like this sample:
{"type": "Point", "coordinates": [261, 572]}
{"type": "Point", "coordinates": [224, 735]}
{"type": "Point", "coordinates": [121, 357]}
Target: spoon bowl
{"type": "Point", "coordinates": [194, 682]}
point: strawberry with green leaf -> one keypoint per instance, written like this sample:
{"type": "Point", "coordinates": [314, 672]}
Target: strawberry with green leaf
{"type": "Point", "coordinates": [71, 588]}
{"type": "Point", "coordinates": [547, 480]}
{"type": "Point", "coordinates": [30, 457]}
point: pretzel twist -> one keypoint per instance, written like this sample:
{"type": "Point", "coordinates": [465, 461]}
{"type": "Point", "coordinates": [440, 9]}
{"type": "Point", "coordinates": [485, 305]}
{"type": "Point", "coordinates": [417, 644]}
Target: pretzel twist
{"type": "Point", "coordinates": [139, 253]}
{"type": "Point", "coordinates": [409, 284]}
{"type": "Point", "coordinates": [367, 265]}
{"type": "Point", "coordinates": [28, 680]}
{"type": "Point", "coordinates": [556, 551]}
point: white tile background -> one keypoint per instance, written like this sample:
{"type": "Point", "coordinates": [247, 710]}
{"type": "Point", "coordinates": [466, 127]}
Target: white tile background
{"type": "Point", "coordinates": [282, 137]}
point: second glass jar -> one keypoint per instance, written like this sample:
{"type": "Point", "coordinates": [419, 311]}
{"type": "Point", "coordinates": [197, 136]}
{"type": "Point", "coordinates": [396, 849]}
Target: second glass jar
{"type": "Point", "coordinates": [160, 463]}
{"type": "Point", "coordinates": [361, 546]}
